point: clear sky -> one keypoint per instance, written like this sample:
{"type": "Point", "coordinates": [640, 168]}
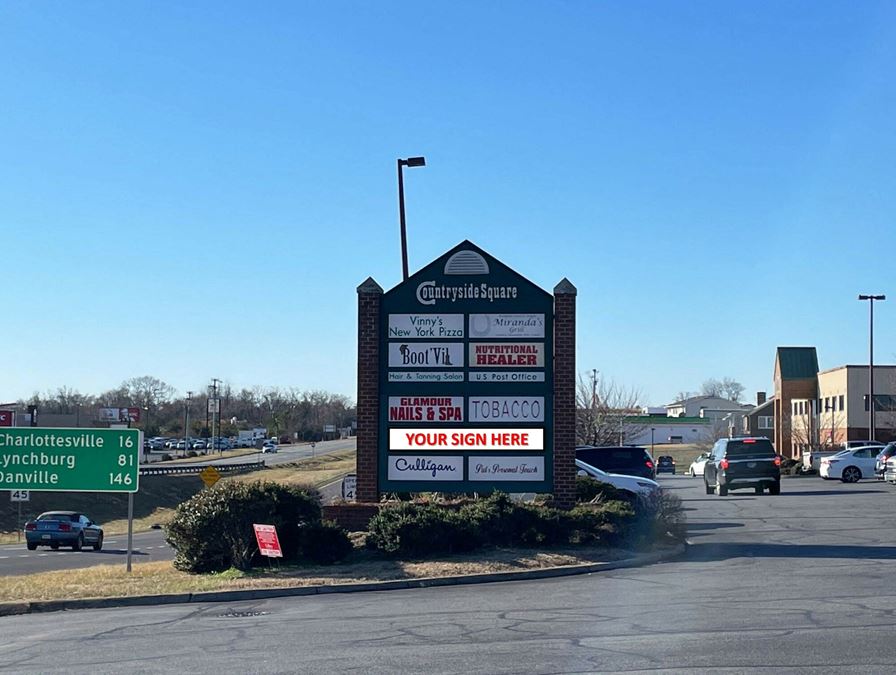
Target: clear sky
{"type": "Point", "coordinates": [195, 189]}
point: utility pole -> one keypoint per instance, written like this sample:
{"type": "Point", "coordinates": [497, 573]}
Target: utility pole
{"type": "Point", "coordinates": [215, 409]}
{"type": "Point", "coordinates": [187, 418]}
{"type": "Point", "coordinates": [871, 299]}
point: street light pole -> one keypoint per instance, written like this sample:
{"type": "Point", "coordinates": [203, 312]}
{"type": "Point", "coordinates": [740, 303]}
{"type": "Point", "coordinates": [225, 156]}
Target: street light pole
{"type": "Point", "coordinates": [187, 418]}
{"type": "Point", "coordinates": [409, 162]}
{"type": "Point", "coordinates": [871, 299]}
{"type": "Point", "coordinates": [652, 429]}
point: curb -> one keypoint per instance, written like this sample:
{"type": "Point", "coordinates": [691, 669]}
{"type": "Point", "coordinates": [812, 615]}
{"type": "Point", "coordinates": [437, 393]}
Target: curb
{"type": "Point", "coordinates": [15, 608]}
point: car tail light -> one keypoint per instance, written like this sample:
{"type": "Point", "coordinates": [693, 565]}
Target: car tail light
{"type": "Point", "coordinates": [65, 527]}
{"type": "Point", "coordinates": [777, 461]}
{"type": "Point", "coordinates": [749, 440]}
{"type": "Point", "coordinates": [30, 527]}
{"type": "Point", "coordinates": [723, 464]}
{"type": "Point", "coordinates": [649, 464]}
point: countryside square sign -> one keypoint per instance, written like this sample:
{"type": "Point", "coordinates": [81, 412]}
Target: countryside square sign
{"type": "Point", "coordinates": [466, 378]}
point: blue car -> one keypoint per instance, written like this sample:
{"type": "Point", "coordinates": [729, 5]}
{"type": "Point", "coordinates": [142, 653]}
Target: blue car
{"type": "Point", "coordinates": [63, 528]}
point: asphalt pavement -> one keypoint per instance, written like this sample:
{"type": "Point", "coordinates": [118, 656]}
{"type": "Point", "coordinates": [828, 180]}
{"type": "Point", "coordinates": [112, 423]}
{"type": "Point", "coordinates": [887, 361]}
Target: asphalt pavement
{"type": "Point", "coordinates": [796, 583]}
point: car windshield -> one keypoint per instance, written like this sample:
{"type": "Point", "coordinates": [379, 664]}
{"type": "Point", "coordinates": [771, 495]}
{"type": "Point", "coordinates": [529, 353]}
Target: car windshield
{"type": "Point", "coordinates": [53, 515]}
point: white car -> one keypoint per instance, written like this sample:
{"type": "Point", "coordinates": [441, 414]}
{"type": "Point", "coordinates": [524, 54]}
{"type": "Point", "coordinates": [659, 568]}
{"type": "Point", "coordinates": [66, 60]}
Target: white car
{"type": "Point", "coordinates": [267, 447]}
{"type": "Point", "coordinates": [636, 484]}
{"type": "Point", "coordinates": [850, 465]}
{"type": "Point", "coordinates": [696, 468]}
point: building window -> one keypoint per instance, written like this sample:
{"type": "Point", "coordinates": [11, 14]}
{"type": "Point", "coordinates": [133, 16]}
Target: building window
{"type": "Point", "coordinates": [882, 402]}
{"type": "Point", "coordinates": [841, 403]}
{"type": "Point", "coordinates": [766, 422]}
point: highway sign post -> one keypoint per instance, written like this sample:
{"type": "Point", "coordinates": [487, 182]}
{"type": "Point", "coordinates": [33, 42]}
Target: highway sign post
{"type": "Point", "coordinates": [210, 475]}
{"type": "Point", "coordinates": [349, 485]}
{"type": "Point", "coordinates": [73, 460]}
{"type": "Point", "coordinates": [19, 496]}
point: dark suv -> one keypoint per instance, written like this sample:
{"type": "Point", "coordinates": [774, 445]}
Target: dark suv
{"type": "Point", "coordinates": [630, 460]}
{"type": "Point", "coordinates": [737, 463]}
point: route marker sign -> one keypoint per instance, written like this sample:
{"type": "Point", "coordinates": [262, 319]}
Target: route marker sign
{"type": "Point", "coordinates": [70, 460]}
{"type": "Point", "coordinates": [20, 496]}
{"type": "Point", "coordinates": [210, 475]}
{"type": "Point", "coordinates": [268, 542]}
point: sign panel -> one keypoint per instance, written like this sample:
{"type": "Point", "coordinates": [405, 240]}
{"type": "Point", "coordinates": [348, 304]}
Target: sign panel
{"type": "Point", "coordinates": [349, 486]}
{"type": "Point", "coordinates": [506, 355]}
{"type": "Point", "coordinates": [214, 406]}
{"type": "Point", "coordinates": [20, 496]}
{"type": "Point", "coordinates": [329, 428]}
{"type": "Point", "coordinates": [268, 542]}
{"type": "Point", "coordinates": [505, 376]}
{"type": "Point", "coordinates": [506, 468]}
{"type": "Point", "coordinates": [403, 326]}
{"type": "Point", "coordinates": [468, 439]}
{"type": "Point", "coordinates": [70, 460]}
{"type": "Point", "coordinates": [426, 408]}
{"type": "Point", "coordinates": [421, 467]}
{"type": "Point", "coordinates": [483, 326]}
{"type": "Point", "coordinates": [423, 376]}
{"type": "Point", "coordinates": [446, 293]}
{"type": "Point", "coordinates": [7, 418]}
{"type": "Point", "coordinates": [426, 355]}
{"type": "Point", "coordinates": [116, 415]}
{"type": "Point", "coordinates": [210, 475]}
{"type": "Point", "coordinates": [506, 409]}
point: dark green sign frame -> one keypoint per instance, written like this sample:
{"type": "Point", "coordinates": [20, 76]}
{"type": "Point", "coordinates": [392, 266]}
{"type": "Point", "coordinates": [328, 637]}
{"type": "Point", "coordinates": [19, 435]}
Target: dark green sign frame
{"type": "Point", "coordinates": [473, 283]}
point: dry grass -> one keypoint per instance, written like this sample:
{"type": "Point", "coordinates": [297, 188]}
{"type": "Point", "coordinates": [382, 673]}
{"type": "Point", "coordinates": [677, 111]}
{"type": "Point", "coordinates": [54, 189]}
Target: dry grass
{"type": "Point", "coordinates": [314, 471]}
{"type": "Point", "coordinates": [158, 578]}
{"type": "Point", "coordinates": [681, 453]}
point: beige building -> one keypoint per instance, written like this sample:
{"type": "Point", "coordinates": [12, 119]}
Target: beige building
{"type": "Point", "coordinates": [838, 410]}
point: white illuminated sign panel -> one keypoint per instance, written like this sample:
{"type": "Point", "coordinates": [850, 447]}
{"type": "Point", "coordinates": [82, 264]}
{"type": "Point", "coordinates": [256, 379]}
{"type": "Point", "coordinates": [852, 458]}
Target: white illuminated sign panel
{"type": "Point", "coordinates": [506, 409]}
{"type": "Point", "coordinates": [506, 468]}
{"type": "Point", "coordinates": [506, 355]}
{"type": "Point", "coordinates": [421, 326]}
{"type": "Point", "coordinates": [484, 326]}
{"type": "Point", "coordinates": [426, 408]}
{"type": "Point", "coordinates": [426, 355]}
{"type": "Point", "coordinates": [468, 439]}
{"type": "Point", "coordinates": [422, 467]}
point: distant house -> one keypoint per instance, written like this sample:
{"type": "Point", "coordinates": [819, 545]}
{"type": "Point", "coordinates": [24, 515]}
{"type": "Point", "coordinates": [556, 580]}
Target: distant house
{"type": "Point", "coordinates": [713, 408]}
{"type": "Point", "coordinates": [760, 421]}
{"type": "Point", "coordinates": [647, 429]}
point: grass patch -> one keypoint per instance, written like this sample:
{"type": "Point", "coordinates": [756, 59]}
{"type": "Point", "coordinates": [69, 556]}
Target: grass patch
{"type": "Point", "coordinates": [159, 578]}
{"type": "Point", "coordinates": [313, 471]}
{"type": "Point", "coordinates": [681, 453]}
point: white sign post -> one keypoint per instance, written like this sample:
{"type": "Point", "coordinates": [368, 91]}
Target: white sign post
{"type": "Point", "coordinates": [19, 496]}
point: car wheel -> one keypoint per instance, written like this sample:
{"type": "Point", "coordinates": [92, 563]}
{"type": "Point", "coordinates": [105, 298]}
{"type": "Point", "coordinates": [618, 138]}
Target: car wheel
{"type": "Point", "coordinates": [851, 474]}
{"type": "Point", "coordinates": [708, 489]}
{"type": "Point", "coordinates": [775, 488]}
{"type": "Point", "coordinates": [55, 547]}
{"type": "Point", "coordinates": [98, 544]}
{"type": "Point", "coordinates": [721, 490]}
{"type": "Point", "coordinates": [79, 543]}
{"type": "Point", "coordinates": [758, 489]}
{"type": "Point", "coordinates": [31, 547]}
{"type": "Point", "coordinates": [693, 475]}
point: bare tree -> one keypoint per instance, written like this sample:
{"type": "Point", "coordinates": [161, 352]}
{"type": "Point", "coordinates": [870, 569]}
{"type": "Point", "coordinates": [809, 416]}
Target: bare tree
{"type": "Point", "coordinates": [711, 387]}
{"type": "Point", "coordinates": [731, 388]}
{"type": "Point", "coordinates": [602, 410]}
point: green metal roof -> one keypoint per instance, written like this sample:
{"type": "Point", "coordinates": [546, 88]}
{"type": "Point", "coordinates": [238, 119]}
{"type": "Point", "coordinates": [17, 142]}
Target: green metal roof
{"type": "Point", "coordinates": [797, 363]}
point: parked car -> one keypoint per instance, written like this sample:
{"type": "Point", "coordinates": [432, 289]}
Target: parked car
{"type": "Point", "coordinates": [636, 484]}
{"type": "Point", "coordinates": [267, 447]}
{"type": "Point", "coordinates": [200, 444]}
{"type": "Point", "coordinates": [63, 528]}
{"type": "Point", "coordinates": [880, 464]}
{"type": "Point", "coordinates": [665, 464]}
{"type": "Point", "coordinates": [737, 463]}
{"type": "Point", "coordinates": [850, 466]}
{"type": "Point", "coordinates": [627, 460]}
{"type": "Point", "coordinates": [861, 444]}
{"type": "Point", "coordinates": [696, 468]}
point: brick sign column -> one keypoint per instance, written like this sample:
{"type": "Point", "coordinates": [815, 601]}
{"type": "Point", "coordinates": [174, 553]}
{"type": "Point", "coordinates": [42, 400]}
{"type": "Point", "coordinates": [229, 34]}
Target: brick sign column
{"type": "Point", "coordinates": [370, 295]}
{"type": "Point", "coordinates": [565, 394]}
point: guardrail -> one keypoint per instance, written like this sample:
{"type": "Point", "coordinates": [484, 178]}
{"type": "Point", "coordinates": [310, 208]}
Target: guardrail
{"type": "Point", "coordinates": [196, 468]}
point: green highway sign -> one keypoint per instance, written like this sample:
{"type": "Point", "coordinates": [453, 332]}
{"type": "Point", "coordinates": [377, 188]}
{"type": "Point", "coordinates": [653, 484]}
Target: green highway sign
{"type": "Point", "coordinates": [70, 460]}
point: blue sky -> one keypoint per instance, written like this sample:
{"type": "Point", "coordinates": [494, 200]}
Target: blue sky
{"type": "Point", "coordinates": [194, 190]}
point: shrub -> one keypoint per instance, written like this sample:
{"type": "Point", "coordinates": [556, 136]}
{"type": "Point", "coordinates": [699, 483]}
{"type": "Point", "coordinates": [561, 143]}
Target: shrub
{"type": "Point", "coordinates": [418, 529]}
{"type": "Point", "coordinates": [213, 531]}
{"type": "Point", "coordinates": [324, 543]}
